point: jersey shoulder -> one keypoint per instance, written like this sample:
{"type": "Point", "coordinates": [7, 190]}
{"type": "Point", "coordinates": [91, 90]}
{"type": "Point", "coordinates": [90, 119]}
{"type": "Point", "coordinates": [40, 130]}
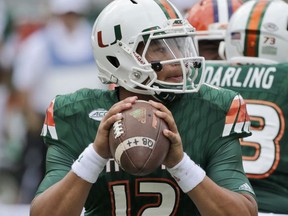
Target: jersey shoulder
{"type": "Point", "coordinates": [232, 105]}
{"type": "Point", "coordinates": [81, 100]}
{"type": "Point", "coordinates": [75, 109]}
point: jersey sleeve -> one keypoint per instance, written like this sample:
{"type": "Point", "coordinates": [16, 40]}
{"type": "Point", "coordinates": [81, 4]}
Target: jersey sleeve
{"type": "Point", "coordinates": [66, 137]}
{"type": "Point", "coordinates": [237, 120]}
{"type": "Point", "coordinates": [225, 166]}
{"type": "Point", "coordinates": [57, 166]}
{"type": "Point", "coordinates": [58, 158]}
{"type": "Point", "coordinates": [49, 129]}
{"type": "Point", "coordinates": [229, 121]}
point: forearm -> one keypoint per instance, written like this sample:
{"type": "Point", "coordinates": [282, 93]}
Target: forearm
{"type": "Point", "coordinates": [211, 199]}
{"type": "Point", "coordinates": [67, 197]}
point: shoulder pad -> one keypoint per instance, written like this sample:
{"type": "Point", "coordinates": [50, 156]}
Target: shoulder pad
{"type": "Point", "coordinates": [49, 123]}
{"type": "Point", "coordinates": [237, 119]}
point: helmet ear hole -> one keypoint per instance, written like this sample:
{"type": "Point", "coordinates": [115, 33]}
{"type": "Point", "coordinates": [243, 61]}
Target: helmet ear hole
{"type": "Point", "coordinates": [113, 60]}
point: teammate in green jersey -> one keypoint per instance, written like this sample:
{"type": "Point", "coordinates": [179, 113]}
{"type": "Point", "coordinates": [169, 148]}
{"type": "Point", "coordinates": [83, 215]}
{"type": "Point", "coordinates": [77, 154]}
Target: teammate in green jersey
{"type": "Point", "coordinates": [146, 49]}
{"type": "Point", "coordinates": [257, 38]}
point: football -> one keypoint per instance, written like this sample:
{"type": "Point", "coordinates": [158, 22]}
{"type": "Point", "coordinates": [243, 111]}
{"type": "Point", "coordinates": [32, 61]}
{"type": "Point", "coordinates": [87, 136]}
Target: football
{"type": "Point", "coordinates": [137, 142]}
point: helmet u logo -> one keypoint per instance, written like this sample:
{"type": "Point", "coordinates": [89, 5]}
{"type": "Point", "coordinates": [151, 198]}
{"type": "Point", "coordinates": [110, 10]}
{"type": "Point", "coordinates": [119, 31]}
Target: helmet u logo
{"type": "Point", "coordinates": [117, 33]}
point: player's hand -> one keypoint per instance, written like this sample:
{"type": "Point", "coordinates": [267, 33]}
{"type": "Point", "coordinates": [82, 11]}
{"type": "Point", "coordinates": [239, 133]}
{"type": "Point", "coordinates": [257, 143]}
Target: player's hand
{"type": "Point", "coordinates": [175, 153]}
{"type": "Point", "coordinates": [100, 144]}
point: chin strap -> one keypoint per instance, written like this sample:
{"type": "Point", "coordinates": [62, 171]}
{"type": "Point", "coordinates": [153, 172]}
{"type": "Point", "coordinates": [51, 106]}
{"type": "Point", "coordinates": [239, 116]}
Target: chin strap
{"type": "Point", "coordinates": [165, 97]}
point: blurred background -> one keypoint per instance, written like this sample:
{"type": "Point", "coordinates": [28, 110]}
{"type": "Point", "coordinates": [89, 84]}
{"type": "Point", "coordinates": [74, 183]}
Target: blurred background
{"type": "Point", "coordinates": [39, 37]}
{"type": "Point", "coordinates": [26, 27]}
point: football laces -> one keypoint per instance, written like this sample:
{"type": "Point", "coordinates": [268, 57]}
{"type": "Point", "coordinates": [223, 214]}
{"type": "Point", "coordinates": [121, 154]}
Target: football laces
{"type": "Point", "coordinates": [118, 129]}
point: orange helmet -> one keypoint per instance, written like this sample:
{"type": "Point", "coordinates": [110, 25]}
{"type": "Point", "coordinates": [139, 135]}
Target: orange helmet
{"type": "Point", "coordinates": [210, 18]}
{"type": "Point", "coordinates": [206, 13]}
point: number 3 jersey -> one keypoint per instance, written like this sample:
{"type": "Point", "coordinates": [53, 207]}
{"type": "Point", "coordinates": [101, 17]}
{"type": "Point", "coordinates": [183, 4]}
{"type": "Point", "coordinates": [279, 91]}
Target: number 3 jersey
{"type": "Point", "coordinates": [265, 153]}
{"type": "Point", "coordinates": [209, 122]}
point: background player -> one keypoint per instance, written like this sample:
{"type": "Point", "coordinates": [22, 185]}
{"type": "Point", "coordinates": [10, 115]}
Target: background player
{"type": "Point", "coordinates": [183, 6]}
{"type": "Point", "coordinates": [151, 59]}
{"type": "Point", "coordinates": [210, 18]}
{"type": "Point", "coordinates": [257, 39]}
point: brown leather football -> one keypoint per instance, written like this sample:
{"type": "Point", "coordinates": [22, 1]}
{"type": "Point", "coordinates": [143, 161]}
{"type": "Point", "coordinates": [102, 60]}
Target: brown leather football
{"type": "Point", "coordinates": [137, 142]}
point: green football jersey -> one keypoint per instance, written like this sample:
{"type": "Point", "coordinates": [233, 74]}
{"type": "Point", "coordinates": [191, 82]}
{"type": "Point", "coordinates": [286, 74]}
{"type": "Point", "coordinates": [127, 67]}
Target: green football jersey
{"type": "Point", "coordinates": [265, 152]}
{"type": "Point", "coordinates": [208, 121]}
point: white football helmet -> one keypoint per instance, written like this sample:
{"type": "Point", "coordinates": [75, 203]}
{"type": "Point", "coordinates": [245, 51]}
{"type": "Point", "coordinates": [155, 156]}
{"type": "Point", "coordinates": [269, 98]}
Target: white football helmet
{"type": "Point", "coordinates": [210, 19]}
{"type": "Point", "coordinates": [258, 33]}
{"type": "Point", "coordinates": [126, 26]}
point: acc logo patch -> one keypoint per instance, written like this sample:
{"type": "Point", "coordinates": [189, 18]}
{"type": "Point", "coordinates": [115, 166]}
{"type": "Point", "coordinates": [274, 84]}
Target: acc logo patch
{"type": "Point", "coordinates": [97, 114]}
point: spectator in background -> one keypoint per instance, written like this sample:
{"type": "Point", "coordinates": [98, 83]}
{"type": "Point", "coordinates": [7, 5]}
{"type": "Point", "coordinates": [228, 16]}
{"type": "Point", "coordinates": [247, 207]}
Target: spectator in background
{"type": "Point", "coordinates": [15, 29]}
{"type": "Point", "coordinates": [55, 60]}
{"type": "Point", "coordinates": [3, 94]}
{"type": "Point", "coordinates": [2, 19]}
{"type": "Point", "coordinates": [8, 180]}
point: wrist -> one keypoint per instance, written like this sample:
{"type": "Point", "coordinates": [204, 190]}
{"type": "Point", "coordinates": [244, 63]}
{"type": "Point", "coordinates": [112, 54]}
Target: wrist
{"type": "Point", "coordinates": [187, 174]}
{"type": "Point", "coordinates": [89, 164]}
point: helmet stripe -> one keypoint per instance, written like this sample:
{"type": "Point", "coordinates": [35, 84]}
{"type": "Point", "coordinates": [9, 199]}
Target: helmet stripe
{"type": "Point", "coordinates": [233, 6]}
{"type": "Point", "coordinates": [230, 8]}
{"type": "Point", "coordinates": [251, 43]}
{"type": "Point", "coordinates": [167, 8]}
{"type": "Point", "coordinates": [215, 11]}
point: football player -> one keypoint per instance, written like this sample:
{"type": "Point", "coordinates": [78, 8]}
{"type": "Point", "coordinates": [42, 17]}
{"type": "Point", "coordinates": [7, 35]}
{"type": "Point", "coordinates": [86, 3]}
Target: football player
{"type": "Point", "coordinates": [145, 48]}
{"type": "Point", "coordinates": [257, 41]}
{"type": "Point", "coordinates": [210, 18]}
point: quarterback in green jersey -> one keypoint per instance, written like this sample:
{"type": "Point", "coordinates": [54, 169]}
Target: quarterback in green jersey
{"type": "Point", "coordinates": [146, 49]}
{"type": "Point", "coordinates": [256, 48]}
